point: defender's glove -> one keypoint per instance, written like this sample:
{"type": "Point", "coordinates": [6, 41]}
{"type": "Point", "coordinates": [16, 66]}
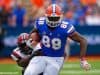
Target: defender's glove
{"type": "Point", "coordinates": [84, 64]}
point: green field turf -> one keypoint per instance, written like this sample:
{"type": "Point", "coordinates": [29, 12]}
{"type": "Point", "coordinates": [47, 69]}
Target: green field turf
{"type": "Point", "coordinates": [69, 68]}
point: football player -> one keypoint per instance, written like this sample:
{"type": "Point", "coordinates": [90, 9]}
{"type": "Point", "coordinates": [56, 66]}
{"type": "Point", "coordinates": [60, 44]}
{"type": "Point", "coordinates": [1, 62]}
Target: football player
{"type": "Point", "coordinates": [23, 53]}
{"type": "Point", "coordinates": [54, 32]}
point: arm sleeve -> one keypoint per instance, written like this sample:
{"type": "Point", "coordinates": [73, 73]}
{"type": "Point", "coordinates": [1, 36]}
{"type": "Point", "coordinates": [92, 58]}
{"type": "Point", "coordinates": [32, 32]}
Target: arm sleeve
{"type": "Point", "coordinates": [70, 29]}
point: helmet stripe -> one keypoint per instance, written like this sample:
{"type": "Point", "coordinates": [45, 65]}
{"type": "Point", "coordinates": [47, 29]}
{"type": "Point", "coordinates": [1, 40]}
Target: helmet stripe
{"type": "Point", "coordinates": [54, 9]}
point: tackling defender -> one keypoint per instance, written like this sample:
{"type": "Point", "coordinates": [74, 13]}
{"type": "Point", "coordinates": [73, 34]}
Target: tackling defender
{"type": "Point", "coordinates": [22, 54]}
{"type": "Point", "coordinates": [54, 32]}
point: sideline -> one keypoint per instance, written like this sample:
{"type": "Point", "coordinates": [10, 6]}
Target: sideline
{"type": "Point", "coordinates": [70, 59]}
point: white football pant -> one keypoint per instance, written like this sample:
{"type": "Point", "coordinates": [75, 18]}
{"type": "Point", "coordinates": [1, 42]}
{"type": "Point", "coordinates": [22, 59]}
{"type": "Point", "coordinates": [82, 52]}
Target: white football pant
{"type": "Point", "coordinates": [47, 65]}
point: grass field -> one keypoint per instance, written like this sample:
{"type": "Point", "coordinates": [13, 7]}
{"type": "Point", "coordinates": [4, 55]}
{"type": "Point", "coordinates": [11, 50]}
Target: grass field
{"type": "Point", "coordinates": [69, 68]}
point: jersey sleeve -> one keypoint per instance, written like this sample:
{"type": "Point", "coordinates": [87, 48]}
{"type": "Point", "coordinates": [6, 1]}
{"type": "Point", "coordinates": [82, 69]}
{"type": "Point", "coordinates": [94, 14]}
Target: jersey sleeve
{"type": "Point", "coordinates": [70, 29]}
{"type": "Point", "coordinates": [35, 24]}
{"type": "Point", "coordinates": [40, 21]}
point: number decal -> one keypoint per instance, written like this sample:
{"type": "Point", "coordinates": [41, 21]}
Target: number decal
{"type": "Point", "coordinates": [46, 41]}
{"type": "Point", "coordinates": [55, 42]}
{"type": "Point", "coordinates": [63, 26]}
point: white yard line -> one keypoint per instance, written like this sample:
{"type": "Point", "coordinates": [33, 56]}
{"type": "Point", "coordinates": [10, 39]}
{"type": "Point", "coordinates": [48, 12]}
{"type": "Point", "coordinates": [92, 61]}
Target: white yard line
{"type": "Point", "coordinates": [80, 72]}
{"type": "Point", "coordinates": [71, 66]}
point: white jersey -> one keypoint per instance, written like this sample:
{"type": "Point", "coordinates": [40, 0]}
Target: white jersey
{"type": "Point", "coordinates": [17, 54]}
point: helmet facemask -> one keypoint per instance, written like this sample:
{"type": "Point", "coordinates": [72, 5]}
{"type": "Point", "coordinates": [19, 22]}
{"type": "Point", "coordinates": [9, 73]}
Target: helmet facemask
{"type": "Point", "coordinates": [53, 21]}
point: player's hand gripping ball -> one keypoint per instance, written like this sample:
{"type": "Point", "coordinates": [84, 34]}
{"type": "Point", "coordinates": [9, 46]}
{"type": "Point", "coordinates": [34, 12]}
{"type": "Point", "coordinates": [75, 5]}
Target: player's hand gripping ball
{"type": "Point", "coordinates": [33, 40]}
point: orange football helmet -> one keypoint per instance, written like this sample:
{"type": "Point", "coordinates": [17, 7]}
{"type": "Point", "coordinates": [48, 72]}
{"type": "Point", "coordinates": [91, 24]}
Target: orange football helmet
{"type": "Point", "coordinates": [53, 15]}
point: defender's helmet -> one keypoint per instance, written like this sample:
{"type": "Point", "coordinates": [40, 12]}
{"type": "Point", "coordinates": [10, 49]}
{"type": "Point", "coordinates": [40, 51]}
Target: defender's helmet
{"type": "Point", "coordinates": [53, 15]}
{"type": "Point", "coordinates": [22, 39]}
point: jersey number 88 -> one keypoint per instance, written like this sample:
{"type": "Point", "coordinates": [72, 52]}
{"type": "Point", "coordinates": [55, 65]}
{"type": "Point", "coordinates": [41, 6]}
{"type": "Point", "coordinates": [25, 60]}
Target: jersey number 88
{"type": "Point", "coordinates": [55, 43]}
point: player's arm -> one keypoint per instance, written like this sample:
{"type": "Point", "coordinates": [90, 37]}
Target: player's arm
{"type": "Point", "coordinates": [83, 43]}
{"type": "Point", "coordinates": [16, 57]}
{"type": "Point", "coordinates": [83, 47]}
{"type": "Point", "coordinates": [23, 62]}
{"type": "Point", "coordinates": [19, 60]}
{"type": "Point", "coordinates": [75, 36]}
{"type": "Point", "coordinates": [33, 40]}
{"type": "Point", "coordinates": [34, 37]}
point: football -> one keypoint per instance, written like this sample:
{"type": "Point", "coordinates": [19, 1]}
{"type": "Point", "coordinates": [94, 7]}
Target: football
{"type": "Point", "coordinates": [35, 37]}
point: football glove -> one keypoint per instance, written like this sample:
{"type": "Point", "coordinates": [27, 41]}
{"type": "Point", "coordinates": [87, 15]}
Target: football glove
{"type": "Point", "coordinates": [85, 65]}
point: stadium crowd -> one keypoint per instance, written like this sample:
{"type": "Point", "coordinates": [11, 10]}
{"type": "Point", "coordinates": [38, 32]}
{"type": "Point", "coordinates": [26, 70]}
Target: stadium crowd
{"type": "Point", "coordinates": [20, 13]}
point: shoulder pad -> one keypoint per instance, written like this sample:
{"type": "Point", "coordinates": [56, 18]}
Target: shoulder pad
{"type": "Point", "coordinates": [41, 20]}
{"type": "Point", "coordinates": [64, 24]}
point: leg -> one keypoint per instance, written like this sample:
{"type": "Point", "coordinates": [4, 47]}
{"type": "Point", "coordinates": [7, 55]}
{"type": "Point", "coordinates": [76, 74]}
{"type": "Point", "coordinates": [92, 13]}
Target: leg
{"type": "Point", "coordinates": [54, 65]}
{"type": "Point", "coordinates": [41, 74]}
{"type": "Point", "coordinates": [51, 70]}
{"type": "Point", "coordinates": [36, 66]}
{"type": "Point", "coordinates": [23, 72]}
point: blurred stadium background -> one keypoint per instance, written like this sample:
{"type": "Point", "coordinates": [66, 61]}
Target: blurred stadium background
{"type": "Point", "coordinates": [17, 16]}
